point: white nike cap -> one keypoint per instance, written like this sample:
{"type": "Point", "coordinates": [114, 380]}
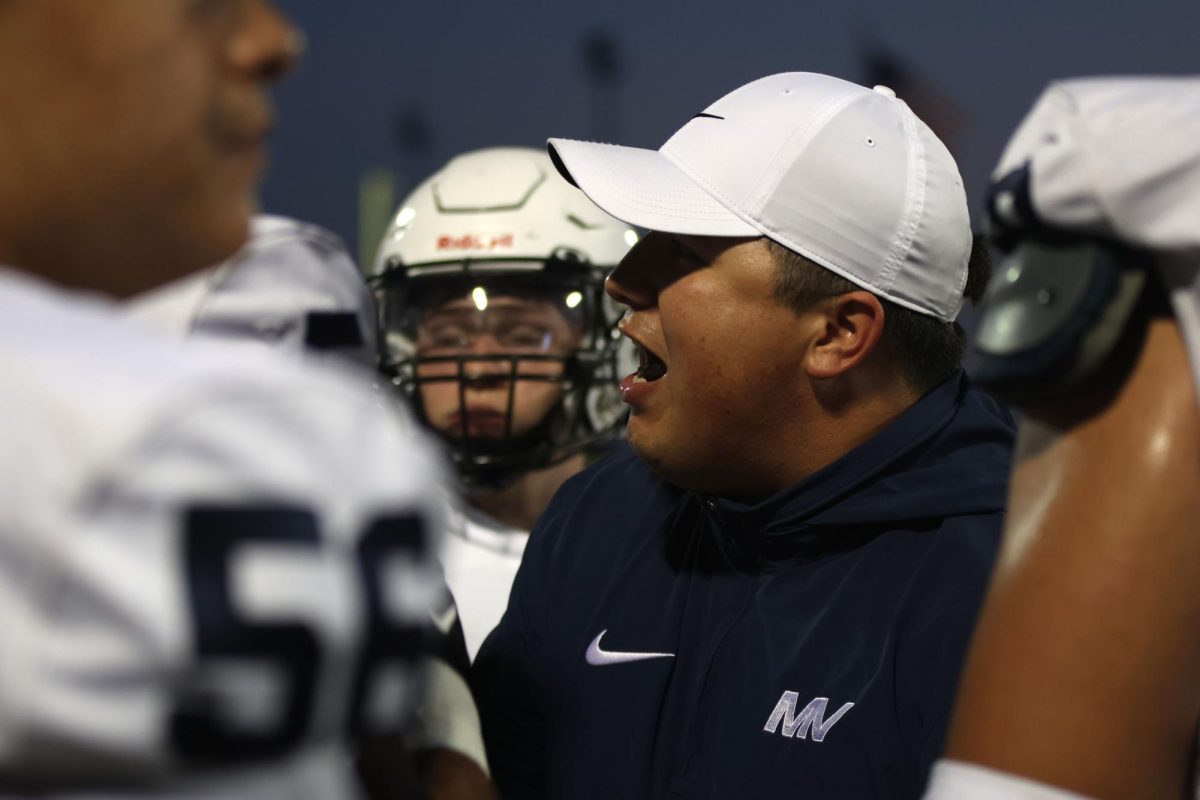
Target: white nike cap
{"type": "Point", "coordinates": [846, 176]}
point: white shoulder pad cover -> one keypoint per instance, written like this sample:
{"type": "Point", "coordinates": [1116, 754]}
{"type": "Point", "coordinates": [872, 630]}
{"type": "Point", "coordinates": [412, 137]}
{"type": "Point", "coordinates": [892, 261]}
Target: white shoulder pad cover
{"type": "Point", "coordinates": [206, 557]}
{"type": "Point", "coordinates": [269, 292]}
{"type": "Point", "coordinates": [956, 780]}
{"type": "Point", "coordinates": [1119, 158]}
{"type": "Point", "coordinates": [1115, 157]}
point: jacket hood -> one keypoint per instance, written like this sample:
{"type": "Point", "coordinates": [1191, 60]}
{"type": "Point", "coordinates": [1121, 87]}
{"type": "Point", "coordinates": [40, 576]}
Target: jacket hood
{"type": "Point", "coordinates": [948, 455]}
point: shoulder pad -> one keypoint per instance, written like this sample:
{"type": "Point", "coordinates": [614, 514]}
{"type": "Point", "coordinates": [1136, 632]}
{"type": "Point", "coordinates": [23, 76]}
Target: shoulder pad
{"type": "Point", "coordinates": [1053, 314]}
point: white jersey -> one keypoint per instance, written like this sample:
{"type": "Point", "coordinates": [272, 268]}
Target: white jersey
{"type": "Point", "coordinates": [957, 780]}
{"type": "Point", "coordinates": [212, 565]}
{"type": "Point", "coordinates": [480, 557]}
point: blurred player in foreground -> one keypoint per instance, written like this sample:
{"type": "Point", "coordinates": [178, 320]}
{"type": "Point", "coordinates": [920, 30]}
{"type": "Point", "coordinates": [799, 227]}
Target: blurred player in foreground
{"type": "Point", "coordinates": [1084, 675]}
{"type": "Point", "coordinates": [497, 330]}
{"type": "Point", "coordinates": [295, 291]}
{"type": "Point", "coordinates": [215, 566]}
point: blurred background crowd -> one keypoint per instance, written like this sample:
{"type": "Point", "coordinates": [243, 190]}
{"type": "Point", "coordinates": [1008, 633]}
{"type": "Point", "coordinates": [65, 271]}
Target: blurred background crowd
{"type": "Point", "coordinates": [390, 90]}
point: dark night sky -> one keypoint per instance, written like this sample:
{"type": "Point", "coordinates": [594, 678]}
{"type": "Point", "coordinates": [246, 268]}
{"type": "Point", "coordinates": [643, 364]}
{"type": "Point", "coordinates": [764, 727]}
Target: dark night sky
{"type": "Point", "coordinates": [483, 74]}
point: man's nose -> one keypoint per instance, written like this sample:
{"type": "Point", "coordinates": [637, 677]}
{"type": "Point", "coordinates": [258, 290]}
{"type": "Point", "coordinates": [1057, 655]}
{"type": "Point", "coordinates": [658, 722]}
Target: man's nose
{"type": "Point", "coordinates": [266, 45]}
{"type": "Point", "coordinates": [632, 283]}
{"type": "Point", "coordinates": [486, 369]}
{"type": "Point", "coordinates": [485, 343]}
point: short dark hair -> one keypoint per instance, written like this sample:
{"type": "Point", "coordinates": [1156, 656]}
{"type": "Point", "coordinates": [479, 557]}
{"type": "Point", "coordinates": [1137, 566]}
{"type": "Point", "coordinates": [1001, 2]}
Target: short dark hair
{"type": "Point", "coordinates": [927, 350]}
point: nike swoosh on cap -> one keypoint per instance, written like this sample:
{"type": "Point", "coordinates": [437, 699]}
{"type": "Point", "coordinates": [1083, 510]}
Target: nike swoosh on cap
{"type": "Point", "coordinates": [599, 658]}
{"type": "Point", "coordinates": [706, 115]}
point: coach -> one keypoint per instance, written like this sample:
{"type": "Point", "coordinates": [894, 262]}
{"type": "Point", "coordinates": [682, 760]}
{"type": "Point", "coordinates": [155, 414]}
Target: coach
{"type": "Point", "coordinates": [773, 593]}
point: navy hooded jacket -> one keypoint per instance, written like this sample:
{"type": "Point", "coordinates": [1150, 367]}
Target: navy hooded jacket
{"type": "Point", "coordinates": [659, 644]}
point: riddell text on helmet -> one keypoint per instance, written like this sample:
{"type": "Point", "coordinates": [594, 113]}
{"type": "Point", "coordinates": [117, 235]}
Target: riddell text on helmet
{"type": "Point", "coordinates": [476, 242]}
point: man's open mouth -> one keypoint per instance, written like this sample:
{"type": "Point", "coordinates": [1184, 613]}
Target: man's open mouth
{"type": "Point", "coordinates": [650, 366]}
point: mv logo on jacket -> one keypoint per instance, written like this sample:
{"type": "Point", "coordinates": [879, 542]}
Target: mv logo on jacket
{"type": "Point", "coordinates": [810, 719]}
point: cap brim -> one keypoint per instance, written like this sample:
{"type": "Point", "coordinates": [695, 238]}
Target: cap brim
{"type": "Point", "coordinates": [643, 188]}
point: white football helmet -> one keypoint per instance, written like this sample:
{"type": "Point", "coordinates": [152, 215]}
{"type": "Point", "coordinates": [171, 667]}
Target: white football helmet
{"type": "Point", "coordinates": [495, 324]}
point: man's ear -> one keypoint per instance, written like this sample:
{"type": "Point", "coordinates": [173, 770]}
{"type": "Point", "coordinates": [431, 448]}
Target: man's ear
{"type": "Point", "coordinates": [853, 326]}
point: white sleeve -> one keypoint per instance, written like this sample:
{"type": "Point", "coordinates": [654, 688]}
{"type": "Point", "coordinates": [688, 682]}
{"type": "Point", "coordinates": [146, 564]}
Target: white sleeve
{"type": "Point", "coordinates": [1181, 274]}
{"type": "Point", "coordinates": [447, 717]}
{"type": "Point", "coordinates": [958, 780]}
{"type": "Point", "coordinates": [248, 580]}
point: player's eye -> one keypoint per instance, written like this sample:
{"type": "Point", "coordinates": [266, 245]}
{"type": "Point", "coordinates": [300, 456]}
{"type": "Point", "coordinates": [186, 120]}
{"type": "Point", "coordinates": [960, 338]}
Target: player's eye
{"type": "Point", "coordinates": [527, 337]}
{"type": "Point", "coordinates": [444, 337]}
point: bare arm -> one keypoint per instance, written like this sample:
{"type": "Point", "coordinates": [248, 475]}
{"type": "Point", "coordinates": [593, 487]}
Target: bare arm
{"type": "Point", "coordinates": [389, 771]}
{"type": "Point", "coordinates": [1085, 668]}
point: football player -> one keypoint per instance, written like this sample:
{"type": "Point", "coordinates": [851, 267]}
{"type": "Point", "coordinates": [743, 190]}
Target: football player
{"type": "Point", "coordinates": [295, 290]}
{"type": "Point", "coordinates": [1082, 679]}
{"type": "Point", "coordinates": [496, 327]}
{"type": "Point", "coordinates": [215, 566]}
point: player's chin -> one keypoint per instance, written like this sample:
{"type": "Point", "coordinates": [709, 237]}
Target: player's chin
{"type": "Point", "coordinates": [185, 243]}
{"type": "Point", "coordinates": [222, 226]}
{"type": "Point", "coordinates": [221, 236]}
{"type": "Point", "coordinates": [233, 198]}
